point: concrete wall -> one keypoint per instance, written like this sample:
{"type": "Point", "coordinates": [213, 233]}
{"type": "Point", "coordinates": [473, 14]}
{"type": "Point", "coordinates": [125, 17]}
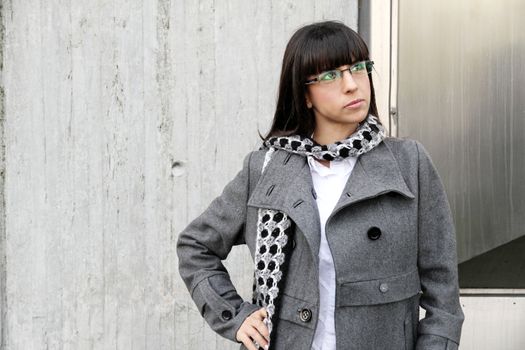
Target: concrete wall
{"type": "Point", "coordinates": [120, 121]}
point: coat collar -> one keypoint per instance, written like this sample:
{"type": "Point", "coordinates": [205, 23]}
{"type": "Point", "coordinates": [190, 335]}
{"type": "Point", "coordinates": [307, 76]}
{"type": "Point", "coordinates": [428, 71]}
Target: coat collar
{"type": "Point", "coordinates": [375, 172]}
{"type": "Point", "coordinates": [286, 185]}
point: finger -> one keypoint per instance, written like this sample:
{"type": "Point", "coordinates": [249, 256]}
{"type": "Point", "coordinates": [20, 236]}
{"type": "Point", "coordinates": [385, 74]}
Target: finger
{"type": "Point", "coordinates": [245, 339]}
{"type": "Point", "coordinates": [259, 314]}
{"type": "Point", "coordinates": [257, 321]}
{"type": "Point", "coordinates": [263, 313]}
{"type": "Point", "coordinates": [262, 329]}
{"type": "Point", "coordinates": [255, 335]}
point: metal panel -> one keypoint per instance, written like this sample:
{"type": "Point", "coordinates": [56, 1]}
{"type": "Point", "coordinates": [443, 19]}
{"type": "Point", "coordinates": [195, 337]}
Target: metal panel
{"type": "Point", "coordinates": [461, 92]}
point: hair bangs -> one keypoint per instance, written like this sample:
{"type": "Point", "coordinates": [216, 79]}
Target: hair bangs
{"type": "Point", "coordinates": [327, 49]}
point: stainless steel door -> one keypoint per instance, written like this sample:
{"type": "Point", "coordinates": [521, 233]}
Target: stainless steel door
{"type": "Point", "coordinates": [461, 92]}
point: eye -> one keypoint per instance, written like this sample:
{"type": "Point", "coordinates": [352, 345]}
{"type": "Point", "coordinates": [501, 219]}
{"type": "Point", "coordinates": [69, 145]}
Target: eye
{"type": "Point", "coordinates": [358, 67]}
{"type": "Point", "coordinates": [328, 76]}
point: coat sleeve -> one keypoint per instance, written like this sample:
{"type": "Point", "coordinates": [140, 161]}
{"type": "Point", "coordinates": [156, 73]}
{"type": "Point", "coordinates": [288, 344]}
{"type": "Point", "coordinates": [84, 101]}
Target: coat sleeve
{"type": "Point", "coordinates": [437, 262]}
{"type": "Point", "coordinates": [203, 244]}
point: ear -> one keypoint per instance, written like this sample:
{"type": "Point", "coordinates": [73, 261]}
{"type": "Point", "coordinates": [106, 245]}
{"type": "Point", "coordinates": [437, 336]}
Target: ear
{"type": "Point", "coordinates": [308, 102]}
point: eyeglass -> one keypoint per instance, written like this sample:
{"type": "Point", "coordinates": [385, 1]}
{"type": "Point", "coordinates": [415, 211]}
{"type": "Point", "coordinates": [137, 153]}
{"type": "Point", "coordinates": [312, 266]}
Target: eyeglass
{"type": "Point", "coordinates": [358, 69]}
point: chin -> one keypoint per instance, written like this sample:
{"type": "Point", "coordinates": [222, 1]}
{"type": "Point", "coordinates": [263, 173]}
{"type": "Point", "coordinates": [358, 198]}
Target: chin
{"type": "Point", "coordinates": [359, 118]}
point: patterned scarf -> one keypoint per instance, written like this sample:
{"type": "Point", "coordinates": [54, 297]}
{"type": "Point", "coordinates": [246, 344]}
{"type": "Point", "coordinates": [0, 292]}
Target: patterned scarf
{"type": "Point", "coordinates": [274, 228]}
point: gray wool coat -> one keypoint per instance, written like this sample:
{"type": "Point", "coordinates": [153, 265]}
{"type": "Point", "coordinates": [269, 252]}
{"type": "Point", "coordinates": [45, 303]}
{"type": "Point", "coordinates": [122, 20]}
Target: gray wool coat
{"type": "Point", "coordinates": [392, 239]}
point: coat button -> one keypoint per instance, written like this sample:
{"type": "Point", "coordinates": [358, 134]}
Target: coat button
{"type": "Point", "coordinates": [293, 243]}
{"type": "Point", "coordinates": [227, 315]}
{"type": "Point", "coordinates": [374, 233]}
{"type": "Point", "coordinates": [383, 287]}
{"type": "Point", "coordinates": [305, 314]}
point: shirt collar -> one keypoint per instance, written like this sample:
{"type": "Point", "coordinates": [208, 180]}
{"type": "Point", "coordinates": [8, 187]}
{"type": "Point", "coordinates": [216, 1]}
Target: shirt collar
{"type": "Point", "coordinates": [344, 166]}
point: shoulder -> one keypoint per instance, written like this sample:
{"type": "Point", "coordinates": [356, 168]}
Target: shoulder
{"type": "Point", "coordinates": [406, 149]}
{"type": "Point", "coordinates": [252, 166]}
{"type": "Point", "coordinates": [410, 155]}
{"type": "Point", "coordinates": [413, 157]}
{"type": "Point", "coordinates": [254, 160]}
{"type": "Point", "coordinates": [400, 144]}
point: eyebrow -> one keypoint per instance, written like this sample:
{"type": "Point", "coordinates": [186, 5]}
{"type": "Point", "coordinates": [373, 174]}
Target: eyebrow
{"type": "Point", "coordinates": [345, 65]}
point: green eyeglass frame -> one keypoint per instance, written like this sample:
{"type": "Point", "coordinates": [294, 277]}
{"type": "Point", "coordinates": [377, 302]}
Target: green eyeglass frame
{"type": "Point", "coordinates": [360, 69]}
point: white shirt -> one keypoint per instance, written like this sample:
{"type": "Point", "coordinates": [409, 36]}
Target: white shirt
{"type": "Point", "coordinates": [328, 184]}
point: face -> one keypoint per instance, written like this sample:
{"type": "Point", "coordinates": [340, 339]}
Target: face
{"type": "Point", "coordinates": [340, 104]}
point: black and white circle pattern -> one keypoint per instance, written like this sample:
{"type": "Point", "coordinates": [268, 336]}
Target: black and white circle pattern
{"type": "Point", "coordinates": [368, 135]}
{"type": "Point", "coordinates": [274, 227]}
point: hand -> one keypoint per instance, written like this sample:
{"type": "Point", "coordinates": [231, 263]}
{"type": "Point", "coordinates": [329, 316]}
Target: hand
{"type": "Point", "coordinates": [254, 329]}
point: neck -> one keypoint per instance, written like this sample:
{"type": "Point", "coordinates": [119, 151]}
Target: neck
{"type": "Point", "coordinates": [328, 134]}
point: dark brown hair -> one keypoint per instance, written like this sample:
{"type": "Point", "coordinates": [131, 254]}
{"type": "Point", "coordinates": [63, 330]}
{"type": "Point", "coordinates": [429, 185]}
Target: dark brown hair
{"type": "Point", "coordinates": [312, 49]}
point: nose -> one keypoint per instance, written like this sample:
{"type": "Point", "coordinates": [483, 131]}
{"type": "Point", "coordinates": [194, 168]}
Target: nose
{"type": "Point", "coordinates": [348, 81]}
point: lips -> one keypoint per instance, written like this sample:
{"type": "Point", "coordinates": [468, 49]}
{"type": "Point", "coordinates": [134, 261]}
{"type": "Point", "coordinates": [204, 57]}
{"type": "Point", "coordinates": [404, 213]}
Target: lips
{"type": "Point", "coordinates": [354, 102]}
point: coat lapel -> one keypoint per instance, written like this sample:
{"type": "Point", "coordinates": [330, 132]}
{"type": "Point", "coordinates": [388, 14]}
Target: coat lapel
{"type": "Point", "coordinates": [286, 185]}
{"type": "Point", "coordinates": [375, 172]}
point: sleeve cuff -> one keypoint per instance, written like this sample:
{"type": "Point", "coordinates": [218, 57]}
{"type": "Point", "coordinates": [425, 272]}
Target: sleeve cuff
{"type": "Point", "coordinates": [224, 314]}
{"type": "Point", "coordinates": [435, 342]}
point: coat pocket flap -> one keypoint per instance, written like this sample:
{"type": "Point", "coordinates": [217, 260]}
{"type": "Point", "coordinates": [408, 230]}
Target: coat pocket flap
{"type": "Point", "coordinates": [297, 311]}
{"type": "Point", "coordinates": [379, 291]}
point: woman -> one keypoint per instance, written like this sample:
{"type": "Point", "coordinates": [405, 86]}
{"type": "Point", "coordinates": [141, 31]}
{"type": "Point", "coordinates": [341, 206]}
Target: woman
{"type": "Point", "coordinates": [350, 231]}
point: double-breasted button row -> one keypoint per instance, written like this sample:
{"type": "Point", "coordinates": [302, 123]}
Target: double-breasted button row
{"type": "Point", "coordinates": [305, 314]}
